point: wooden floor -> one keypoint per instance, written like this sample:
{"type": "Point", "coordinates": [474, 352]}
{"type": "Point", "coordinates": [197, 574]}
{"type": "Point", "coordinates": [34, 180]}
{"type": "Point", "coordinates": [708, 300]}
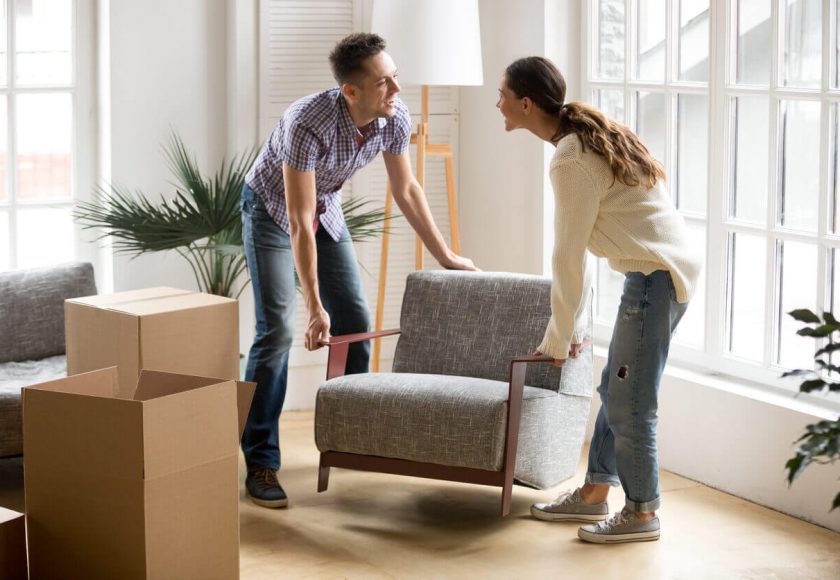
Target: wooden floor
{"type": "Point", "coordinates": [382, 526]}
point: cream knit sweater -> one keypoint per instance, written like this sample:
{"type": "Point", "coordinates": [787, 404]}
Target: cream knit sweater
{"type": "Point", "coordinates": [637, 229]}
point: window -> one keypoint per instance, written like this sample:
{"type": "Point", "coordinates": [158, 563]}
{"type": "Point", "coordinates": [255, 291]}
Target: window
{"type": "Point", "coordinates": [44, 94]}
{"type": "Point", "coordinates": [739, 99]}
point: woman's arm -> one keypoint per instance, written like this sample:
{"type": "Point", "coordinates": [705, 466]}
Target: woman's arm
{"type": "Point", "coordinates": [577, 202]}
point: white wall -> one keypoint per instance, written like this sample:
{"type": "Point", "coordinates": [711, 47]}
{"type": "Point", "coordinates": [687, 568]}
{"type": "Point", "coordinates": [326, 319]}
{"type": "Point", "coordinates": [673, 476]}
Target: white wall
{"type": "Point", "coordinates": [188, 66]}
{"type": "Point", "coordinates": [501, 174]}
{"type": "Point", "coordinates": [165, 70]}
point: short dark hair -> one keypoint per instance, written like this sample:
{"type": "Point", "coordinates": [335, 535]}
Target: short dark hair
{"type": "Point", "coordinates": [348, 57]}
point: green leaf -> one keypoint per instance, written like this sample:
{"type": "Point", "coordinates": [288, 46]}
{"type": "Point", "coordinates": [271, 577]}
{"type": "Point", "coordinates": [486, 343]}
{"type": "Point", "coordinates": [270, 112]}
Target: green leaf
{"type": "Point", "coordinates": [828, 349]}
{"type": "Point", "coordinates": [797, 373]}
{"type": "Point", "coordinates": [812, 385]}
{"type": "Point", "coordinates": [795, 465]}
{"type": "Point", "coordinates": [829, 318]}
{"type": "Point", "coordinates": [836, 503]}
{"type": "Point", "coordinates": [804, 315]}
{"type": "Point", "coordinates": [818, 332]}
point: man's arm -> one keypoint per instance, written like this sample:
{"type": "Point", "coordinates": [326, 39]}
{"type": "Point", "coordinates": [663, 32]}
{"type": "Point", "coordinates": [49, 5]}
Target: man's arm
{"type": "Point", "coordinates": [300, 202]}
{"type": "Point", "coordinates": [412, 202]}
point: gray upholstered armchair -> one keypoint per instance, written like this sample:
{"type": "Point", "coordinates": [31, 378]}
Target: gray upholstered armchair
{"type": "Point", "coordinates": [465, 401]}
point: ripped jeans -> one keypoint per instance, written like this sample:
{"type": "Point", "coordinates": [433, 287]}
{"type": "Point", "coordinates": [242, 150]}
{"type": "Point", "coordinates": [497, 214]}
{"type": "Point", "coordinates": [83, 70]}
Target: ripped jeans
{"type": "Point", "coordinates": [623, 449]}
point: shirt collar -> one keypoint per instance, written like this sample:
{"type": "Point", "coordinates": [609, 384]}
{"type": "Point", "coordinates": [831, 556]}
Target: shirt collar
{"type": "Point", "coordinates": [345, 121]}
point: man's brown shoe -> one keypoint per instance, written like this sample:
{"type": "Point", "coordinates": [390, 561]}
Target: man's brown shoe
{"type": "Point", "coordinates": [264, 489]}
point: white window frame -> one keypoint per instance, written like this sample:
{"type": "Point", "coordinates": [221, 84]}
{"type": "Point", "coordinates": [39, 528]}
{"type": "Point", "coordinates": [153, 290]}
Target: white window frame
{"type": "Point", "coordinates": [83, 141]}
{"type": "Point", "coordinates": [713, 358]}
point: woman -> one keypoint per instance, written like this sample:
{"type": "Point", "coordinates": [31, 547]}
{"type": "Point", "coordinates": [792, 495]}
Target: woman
{"type": "Point", "coordinates": [610, 199]}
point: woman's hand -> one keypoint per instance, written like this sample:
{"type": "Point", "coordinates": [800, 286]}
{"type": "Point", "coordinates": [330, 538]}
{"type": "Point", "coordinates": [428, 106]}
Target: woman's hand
{"type": "Point", "coordinates": [574, 352]}
{"type": "Point", "coordinates": [558, 362]}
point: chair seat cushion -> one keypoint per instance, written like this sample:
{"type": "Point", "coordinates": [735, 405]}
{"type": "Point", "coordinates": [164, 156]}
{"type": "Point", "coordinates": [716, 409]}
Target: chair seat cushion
{"type": "Point", "coordinates": [447, 420]}
{"type": "Point", "coordinates": [13, 377]}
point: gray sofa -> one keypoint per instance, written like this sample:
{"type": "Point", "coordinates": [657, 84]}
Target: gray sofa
{"type": "Point", "coordinates": [32, 335]}
{"type": "Point", "coordinates": [460, 364]}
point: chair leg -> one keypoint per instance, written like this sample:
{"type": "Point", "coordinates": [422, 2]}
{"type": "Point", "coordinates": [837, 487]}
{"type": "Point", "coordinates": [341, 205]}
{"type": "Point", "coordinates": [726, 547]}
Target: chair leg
{"type": "Point", "coordinates": [323, 475]}
{"type": "Point", "coordinates": [507, 492]}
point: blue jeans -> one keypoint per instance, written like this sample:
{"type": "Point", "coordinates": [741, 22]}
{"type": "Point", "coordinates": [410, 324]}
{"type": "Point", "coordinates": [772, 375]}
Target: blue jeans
{"type": "Point", "coordinates": [623, 449]}
{"type": "Point", "coordinates": [268, 251]}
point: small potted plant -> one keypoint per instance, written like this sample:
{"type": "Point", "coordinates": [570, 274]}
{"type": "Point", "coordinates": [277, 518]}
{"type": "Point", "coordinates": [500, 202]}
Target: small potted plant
{"type": "Point", "coordinates": [821, 441]}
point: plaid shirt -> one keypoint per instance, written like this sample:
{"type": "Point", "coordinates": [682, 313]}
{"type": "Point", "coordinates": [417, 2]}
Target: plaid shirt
{"type": "Point", "coordinates": [317, 134]}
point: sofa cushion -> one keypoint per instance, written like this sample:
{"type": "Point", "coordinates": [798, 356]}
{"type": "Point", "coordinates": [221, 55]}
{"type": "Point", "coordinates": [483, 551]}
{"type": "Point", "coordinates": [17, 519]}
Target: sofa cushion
{"type": "Point", "coordinates": [32, 308]}
{"type": "Point", "coordinates": [450, 420]}
{"type": "Point", "coordinates": [13, 377]}
{"type": "Point", "coordinates": [472, 324]}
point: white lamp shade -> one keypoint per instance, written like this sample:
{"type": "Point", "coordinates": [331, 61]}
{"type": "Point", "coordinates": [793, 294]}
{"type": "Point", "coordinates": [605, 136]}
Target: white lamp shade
{"type": "Point", "coordinates": [432, 42]}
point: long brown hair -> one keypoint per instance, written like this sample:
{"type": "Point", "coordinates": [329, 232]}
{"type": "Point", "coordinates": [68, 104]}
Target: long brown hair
{"type": "Point", "coordinates": [538, 79]}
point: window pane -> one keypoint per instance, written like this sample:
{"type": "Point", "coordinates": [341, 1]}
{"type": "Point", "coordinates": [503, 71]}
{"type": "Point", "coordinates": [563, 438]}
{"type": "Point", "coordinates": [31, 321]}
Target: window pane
{"type": "Point", "coordinates": [3, 142]}
{"type": "Point", "coordinates": [834, 169]}
{"type": "Point", "coordinates": [2, 42]}
{"type": "Point", "coordinates": [609, 54]}
{"type": "Point", "coordinates": [800, 165]}
{"type": "Point", "coordinates": [803, 43]}
{"type": "Point", "coordinates": [650, 36]}
{"type": "Point", "coordinates": [610, 284]}
{"type": "Point", "coordinates": [44, 124]}
{"type": "Point", "coordinates": [692, 152]}
{"type": "Point", "coordinates": [34, 247]}
{"type": "Point", "coordinates": [754, 28]}
{"type": "Point", "coordinates": [834, 279]}
{"type": "Point", "coordinates": [5, 255]}
{"type": "Point", "coordinates": [749, 163]}
{"type": "Point", "coordinates": [798, 290]}
{"type": "Point", "coordinates": [43, 37]}
{"type": "Point", "coordinates": [746, 287]}
{"type": "Point", "coordinates": [694, 40]}
{"type": "Point", "coordinates": [611, 103]}
{"type": "Point", "coordinates": [650, 122]}
{"type": "Point", "coordinates": [691, 330]}
{"type": "Point", "coordinates": [836, 82]}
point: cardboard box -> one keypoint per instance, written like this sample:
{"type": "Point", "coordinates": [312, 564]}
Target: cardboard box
{"type": "Point", "coordinates": [12, 545]}
{"type": "Point", "coordinates": [165, 329]}
{"type": "Point", "coordinates": [144, 486]}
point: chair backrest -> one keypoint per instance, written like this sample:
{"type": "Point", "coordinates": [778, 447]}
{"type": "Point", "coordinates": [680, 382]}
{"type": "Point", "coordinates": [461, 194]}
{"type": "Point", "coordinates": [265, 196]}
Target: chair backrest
{"type": "Point", "coordinates": [473, 324]}
{"type": "Point", "coordinates": [32, 308]}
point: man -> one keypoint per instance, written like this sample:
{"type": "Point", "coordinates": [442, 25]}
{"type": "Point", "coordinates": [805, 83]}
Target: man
{"type": "Point", "coordinates": [292, 219]}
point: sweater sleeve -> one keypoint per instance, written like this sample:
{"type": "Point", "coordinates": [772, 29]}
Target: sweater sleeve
{"type": "Point", "coordinates": [576, 203]}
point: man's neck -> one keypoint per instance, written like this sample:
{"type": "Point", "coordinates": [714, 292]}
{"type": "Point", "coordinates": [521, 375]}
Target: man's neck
{"type": "Point", "coordinates": [359, 118]}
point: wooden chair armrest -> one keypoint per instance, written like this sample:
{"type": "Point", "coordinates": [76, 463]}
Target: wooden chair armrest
{"type": "Point", "coordinates": [339, 346]}
{"type": "Point", "coordinates": [357, 337]}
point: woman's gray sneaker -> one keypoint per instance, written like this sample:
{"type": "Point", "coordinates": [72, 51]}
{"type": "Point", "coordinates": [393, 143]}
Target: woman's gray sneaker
{"type": "Point", "coordinates": [624, 526]}
{"type": "Point", "coordinates": [570, 507]}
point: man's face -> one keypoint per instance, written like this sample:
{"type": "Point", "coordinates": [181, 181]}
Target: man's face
{"type": "Point", "coordinates": [379, 87]}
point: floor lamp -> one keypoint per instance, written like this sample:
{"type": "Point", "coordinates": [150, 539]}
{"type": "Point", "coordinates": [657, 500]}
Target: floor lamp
{"type": "Point", "coordinates": [433, 43]}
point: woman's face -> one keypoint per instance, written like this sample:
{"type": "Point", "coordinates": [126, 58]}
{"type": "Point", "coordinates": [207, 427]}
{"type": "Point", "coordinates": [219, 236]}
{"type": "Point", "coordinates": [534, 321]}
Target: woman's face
{"type": "Point", "coordinates": [510, 106]}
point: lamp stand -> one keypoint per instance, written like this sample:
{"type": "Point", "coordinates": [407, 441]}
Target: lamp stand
{"type": "Point", "coordinates": [424, 148]}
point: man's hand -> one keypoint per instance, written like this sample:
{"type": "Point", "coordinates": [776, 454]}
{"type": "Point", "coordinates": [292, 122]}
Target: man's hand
{"type": "Point", "coordinates": [456, 262]}
{"type": "Point", "coordinates": [318, 328]}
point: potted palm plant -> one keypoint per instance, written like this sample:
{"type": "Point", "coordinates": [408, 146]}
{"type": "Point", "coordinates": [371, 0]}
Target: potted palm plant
{"type": "Point", "coordinates": [201, 221]}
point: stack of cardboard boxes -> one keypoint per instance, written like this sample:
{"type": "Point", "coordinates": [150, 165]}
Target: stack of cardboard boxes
{"type": "Point", "coordinates": [130, 463]}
